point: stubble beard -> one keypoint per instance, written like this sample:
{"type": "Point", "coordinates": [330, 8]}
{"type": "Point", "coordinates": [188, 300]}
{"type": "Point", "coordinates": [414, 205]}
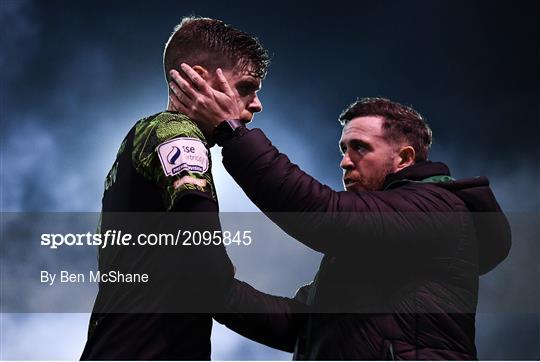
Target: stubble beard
{"type": "Point", "coordinates": [377, 182]}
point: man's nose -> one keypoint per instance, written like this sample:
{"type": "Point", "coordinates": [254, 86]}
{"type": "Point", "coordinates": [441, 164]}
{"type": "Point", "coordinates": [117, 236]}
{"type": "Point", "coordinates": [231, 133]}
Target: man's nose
{"type": "Point", "coordinates": [346, 162]}
{"type": "Point", "coordinates": [255, 105]}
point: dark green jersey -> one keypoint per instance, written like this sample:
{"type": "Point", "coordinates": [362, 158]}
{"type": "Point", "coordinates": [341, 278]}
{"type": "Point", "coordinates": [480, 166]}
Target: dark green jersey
{"type": "Point", "coordinates": [161, 177]}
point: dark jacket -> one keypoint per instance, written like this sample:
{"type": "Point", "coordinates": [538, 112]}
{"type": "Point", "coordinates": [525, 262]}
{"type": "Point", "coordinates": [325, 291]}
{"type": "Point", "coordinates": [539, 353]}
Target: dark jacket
{"type": "Point", "coordinates": [399, 276]}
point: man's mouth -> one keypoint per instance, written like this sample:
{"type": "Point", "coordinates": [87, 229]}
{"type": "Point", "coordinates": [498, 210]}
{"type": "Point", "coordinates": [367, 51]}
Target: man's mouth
{"type": "Point", "coordinates": [349, 182]}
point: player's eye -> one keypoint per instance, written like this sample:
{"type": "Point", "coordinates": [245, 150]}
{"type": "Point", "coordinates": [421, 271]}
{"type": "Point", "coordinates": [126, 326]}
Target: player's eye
{"type": "Point", "coordinates": [243, 91]}
{"type": "Point", "coordinates": [246, 88]}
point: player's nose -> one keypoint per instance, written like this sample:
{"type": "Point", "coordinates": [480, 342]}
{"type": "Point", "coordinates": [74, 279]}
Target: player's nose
{"type": "Point", "coordinates": [255, 106]}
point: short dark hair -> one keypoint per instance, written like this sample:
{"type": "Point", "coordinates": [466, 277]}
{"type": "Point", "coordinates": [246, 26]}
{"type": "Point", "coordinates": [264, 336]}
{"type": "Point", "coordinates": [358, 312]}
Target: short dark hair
{"type": "Point", "coordinates": [400, 123]}
{"type": "Point", "coordinates": [213, 44]}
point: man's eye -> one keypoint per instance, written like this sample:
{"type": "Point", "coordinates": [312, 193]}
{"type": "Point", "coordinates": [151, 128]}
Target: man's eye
{"type": "Point", "coordinates": [360, 147]}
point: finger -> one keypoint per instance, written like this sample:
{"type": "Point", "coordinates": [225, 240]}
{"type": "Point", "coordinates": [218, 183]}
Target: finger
{"type": "Point", "coordinates": [177, 105]}
{"type": "Point", "coordinates": [224, 84]}
{"type": "Point", "coordinates": [174, 101]}
{"type": "Point", "coordinates": [183, 84]}
{"type": "Point", "coordinates": [179, 93]}
{"type": "Point", "coordinates": [195, 78]}
{"type": "Point", "coordinates": [174, 88]}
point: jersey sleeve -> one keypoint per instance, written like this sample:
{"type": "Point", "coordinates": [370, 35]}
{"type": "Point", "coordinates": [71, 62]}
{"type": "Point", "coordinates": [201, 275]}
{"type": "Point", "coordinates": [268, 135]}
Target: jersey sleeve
{"type": "Point", "coordinates": [170, 151]}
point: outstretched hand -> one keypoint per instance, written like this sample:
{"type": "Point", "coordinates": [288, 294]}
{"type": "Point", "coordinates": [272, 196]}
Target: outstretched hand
{"type": "Point", "coordinates": [194, 97]}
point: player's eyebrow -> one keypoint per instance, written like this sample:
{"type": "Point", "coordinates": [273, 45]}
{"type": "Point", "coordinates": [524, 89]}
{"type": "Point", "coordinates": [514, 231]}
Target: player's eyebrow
{"type": "Point", "coordinates": [249, 80]}
{"type": "Point", "coordinates": [250, 83]}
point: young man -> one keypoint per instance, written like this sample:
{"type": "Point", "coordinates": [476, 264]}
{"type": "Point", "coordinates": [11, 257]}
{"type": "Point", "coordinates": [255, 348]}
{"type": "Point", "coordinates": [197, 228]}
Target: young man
{"type": "Point", "coordinates": [403, 247]}
{"type": "Point", "coordinates": [162, 168]}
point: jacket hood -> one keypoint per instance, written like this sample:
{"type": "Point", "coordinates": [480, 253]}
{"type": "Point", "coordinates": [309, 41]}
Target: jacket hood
{"type": "Point", "coordinates": [492, 227]}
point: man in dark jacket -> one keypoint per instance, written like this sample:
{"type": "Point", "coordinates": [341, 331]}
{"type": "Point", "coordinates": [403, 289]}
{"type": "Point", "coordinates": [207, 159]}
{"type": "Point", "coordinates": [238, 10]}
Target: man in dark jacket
{"type": "Point", "coordinates": [403, 247]}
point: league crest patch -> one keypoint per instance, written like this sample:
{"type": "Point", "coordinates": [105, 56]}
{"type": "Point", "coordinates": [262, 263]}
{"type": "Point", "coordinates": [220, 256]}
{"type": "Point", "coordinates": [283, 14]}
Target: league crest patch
{"type": "Point", "coordinates": [181, 154]}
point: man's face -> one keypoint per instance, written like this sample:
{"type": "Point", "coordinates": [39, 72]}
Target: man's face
{"type": "Point", "coordinates": [367, 156]}
{"type": "Point", "coordinates": [245, 86]}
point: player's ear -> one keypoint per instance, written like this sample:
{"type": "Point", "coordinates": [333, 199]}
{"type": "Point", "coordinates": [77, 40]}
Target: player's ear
{"type": "Point", "coordinates": [406, 154]}
{"type": "Point", "coordinates": [202, 71]}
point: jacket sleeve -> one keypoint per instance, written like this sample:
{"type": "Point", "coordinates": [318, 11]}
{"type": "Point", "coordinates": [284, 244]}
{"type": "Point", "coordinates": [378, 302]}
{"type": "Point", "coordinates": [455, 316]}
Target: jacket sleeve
{"type": "Point", "coordinates": [323, 219]}
{"type": "Point", "coordinates": [271, 320]}
{"type": "Point", "coordinates": [272, 181]}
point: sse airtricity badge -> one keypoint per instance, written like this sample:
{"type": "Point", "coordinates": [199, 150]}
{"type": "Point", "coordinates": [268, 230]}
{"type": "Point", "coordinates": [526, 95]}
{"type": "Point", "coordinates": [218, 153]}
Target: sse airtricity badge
{"type": "Point", "coordinates": [183, 154]}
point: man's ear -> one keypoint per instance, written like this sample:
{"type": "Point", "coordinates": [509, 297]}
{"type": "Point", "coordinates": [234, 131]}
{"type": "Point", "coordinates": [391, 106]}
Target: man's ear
{"type": "Point", "coordinates": [406, 156]}
{"type": "Point", "coordinates": [201, 71]}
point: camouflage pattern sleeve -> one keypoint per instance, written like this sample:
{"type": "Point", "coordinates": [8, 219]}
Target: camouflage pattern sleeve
{"type": "Point", "coordinates": [170, 151]}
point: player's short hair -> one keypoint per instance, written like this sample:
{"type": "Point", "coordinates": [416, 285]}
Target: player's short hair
{"type": "Point", "coordinates": [400, 123]}
{"type": "Point", "coordinates": [213, 44]}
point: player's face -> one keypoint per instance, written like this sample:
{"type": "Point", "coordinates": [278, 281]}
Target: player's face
{"type": "Point", "coordinates": [367, 156]}
{"type": "Point", "coordinates": [245, 86]}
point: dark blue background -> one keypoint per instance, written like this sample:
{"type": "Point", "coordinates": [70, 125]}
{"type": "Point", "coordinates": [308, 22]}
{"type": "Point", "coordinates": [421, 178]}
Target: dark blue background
{"type": "Point", "coordinates": [77, 75]}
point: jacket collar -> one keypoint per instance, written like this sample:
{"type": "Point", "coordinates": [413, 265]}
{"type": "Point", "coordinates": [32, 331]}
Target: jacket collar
{"type": "Point", "coordinates": [417, 172]}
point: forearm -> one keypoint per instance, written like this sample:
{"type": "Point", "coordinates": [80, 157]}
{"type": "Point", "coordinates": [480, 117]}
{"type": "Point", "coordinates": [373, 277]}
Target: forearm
{"type": "Point", "coordinates": [271, 180]}
{"type": "Point", "coordinates": [267, 319]}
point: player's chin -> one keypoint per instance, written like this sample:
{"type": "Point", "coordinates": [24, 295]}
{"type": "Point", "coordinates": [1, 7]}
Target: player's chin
{"type": "Point", "coordinates": [246, 117]}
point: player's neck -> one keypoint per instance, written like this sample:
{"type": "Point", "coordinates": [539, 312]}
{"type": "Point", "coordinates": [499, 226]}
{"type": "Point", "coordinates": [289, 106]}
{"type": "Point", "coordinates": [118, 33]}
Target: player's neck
{"type": "Point", "coordinates": [170, 107]}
